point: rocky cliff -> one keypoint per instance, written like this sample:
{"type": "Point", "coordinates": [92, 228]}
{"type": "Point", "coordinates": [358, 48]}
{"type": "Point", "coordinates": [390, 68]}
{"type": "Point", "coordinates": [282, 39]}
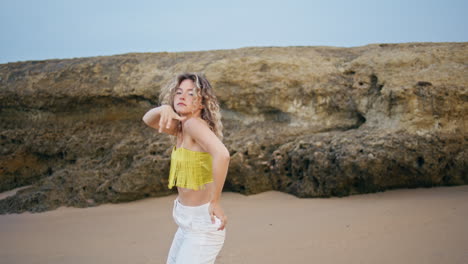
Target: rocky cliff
{"type": "Point", "coordinates": [311, 121]}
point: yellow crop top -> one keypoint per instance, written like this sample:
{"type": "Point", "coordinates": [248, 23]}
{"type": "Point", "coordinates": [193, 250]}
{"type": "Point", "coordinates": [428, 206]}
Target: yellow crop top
{"type": "Point", "coordinates": [190, 169]}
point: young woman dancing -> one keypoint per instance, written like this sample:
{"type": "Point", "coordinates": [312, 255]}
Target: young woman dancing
{"type": "Point", "coordinates": [199, 164]}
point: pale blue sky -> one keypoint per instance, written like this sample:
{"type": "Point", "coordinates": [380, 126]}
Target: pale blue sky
{"type": "Point", "coordinates": [47, 29]}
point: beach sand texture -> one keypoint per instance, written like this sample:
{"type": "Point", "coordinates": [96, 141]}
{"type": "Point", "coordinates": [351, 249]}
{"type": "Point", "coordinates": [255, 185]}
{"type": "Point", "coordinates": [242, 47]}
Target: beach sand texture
{"type": "Point", "coordinates": [424, 225]}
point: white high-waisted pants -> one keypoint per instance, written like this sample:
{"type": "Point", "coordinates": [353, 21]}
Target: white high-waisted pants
{"type": "Point", "coordinates": [197, 240]}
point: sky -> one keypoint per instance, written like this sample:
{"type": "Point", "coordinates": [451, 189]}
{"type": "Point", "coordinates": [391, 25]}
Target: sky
{"type": "Point", "coordinates": [57, 29]}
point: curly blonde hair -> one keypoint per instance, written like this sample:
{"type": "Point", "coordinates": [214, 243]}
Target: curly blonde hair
{"type": "Point", "coordinates": [202, 91]}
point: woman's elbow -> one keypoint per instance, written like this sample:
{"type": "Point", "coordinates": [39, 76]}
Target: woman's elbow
{"type": "Point", "coordinates": [227, 156]}
{"type": "Point", "coordinates": [224, 154]}
{"type": "Point", "coordinates": [147, 120]}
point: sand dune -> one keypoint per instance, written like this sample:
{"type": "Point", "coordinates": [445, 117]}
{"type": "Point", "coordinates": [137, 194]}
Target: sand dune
{"type": "Point", "coordinates": [399, 226]}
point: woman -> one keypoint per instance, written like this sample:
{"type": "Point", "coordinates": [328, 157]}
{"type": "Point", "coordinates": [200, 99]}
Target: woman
{"type": "Point", "coordinates": [199, 164]}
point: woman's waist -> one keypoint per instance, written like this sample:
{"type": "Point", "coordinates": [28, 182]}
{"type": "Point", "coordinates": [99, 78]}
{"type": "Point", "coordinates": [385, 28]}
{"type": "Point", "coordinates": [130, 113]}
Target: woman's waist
{"type": "Point", "coordinates": [191, 197]}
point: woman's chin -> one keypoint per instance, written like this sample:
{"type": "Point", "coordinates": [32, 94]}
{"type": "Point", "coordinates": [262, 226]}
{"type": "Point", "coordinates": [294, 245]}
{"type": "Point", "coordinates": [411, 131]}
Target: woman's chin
{"type": "Point", "coordinates": [180, 110]}
{"type": "Point", "coordinates": [183, 111]}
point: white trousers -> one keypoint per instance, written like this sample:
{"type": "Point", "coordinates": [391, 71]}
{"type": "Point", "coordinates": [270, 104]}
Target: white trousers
{"type": "Point", "coordinates": [197, 240]}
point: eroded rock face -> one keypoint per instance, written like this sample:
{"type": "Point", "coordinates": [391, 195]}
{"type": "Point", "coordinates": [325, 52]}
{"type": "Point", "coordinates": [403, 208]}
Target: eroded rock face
{"type": "Point", "coordinates": [311, 121]}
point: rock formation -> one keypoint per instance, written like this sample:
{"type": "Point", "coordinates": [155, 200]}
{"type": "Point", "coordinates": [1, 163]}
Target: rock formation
{"type": "Point", "coordinates": [310, 121]}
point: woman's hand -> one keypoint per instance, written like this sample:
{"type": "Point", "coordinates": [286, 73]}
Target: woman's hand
{"type": "Point", "coordinates": [216, 210]}
{"type": "Point", "coordinates": [165, 117]}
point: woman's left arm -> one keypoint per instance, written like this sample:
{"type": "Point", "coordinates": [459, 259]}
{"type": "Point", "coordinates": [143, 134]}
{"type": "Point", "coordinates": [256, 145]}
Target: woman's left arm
{"type": "Point", "coordinates": [213, 145]}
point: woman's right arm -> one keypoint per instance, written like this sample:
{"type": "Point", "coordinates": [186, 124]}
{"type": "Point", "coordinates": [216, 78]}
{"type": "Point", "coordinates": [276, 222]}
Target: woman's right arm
{"type": "Point", "coordinates": [161, 118]}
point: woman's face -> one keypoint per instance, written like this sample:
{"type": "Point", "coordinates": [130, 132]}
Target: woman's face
{"type": "Point", "coordinates": [184, 102]}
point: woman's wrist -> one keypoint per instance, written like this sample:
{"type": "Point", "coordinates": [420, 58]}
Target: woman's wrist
{"type": "Point", "coordinates": [163, 106]}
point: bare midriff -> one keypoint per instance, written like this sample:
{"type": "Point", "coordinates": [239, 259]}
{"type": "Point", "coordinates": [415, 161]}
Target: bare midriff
{"type": "Point", "coordinates": [191, 197]}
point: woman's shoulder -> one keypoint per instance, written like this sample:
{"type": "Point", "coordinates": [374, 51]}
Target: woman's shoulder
{"type": "Point", "coordinates": [196, 131]}
{"type": "Point", "coordinates": [194, 123]}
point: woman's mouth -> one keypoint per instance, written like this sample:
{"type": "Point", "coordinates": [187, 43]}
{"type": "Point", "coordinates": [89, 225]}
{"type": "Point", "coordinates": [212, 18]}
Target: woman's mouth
{"type": "Point", "coordinates": [181, 104]}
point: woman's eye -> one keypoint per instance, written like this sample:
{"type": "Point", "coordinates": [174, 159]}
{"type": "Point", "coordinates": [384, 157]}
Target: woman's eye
{"type": "Point", "coordinates": [178, 93]}
{"type": "Point", "coordinates": [191, 94]}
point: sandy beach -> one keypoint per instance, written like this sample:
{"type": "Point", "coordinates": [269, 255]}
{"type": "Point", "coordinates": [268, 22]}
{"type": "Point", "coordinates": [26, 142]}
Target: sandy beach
{"type": "Point", "coordinates": [424, 225]}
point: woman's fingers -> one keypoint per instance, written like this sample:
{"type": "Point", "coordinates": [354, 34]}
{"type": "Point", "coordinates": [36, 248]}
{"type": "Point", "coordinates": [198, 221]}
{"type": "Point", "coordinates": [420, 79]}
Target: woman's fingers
{"type": "Point", "coordinates": [212, 215]}
{"type": "Point", "coordinates": [211, 212]}
{"type": "Point", "coordinates": [169, 120]}
{"type": "Point", "coordinates": [223, 222]}
{"type": "Point", "coordinates": [215, 210]}
{"type": "Point", "coordinates": [169, 123]}
{"type": "Point", "coordinates": [166, 118]}
{"type": "Point", "coordinates": [165, 121]}
{"type": "Point", "coordinates": [161, 122]}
